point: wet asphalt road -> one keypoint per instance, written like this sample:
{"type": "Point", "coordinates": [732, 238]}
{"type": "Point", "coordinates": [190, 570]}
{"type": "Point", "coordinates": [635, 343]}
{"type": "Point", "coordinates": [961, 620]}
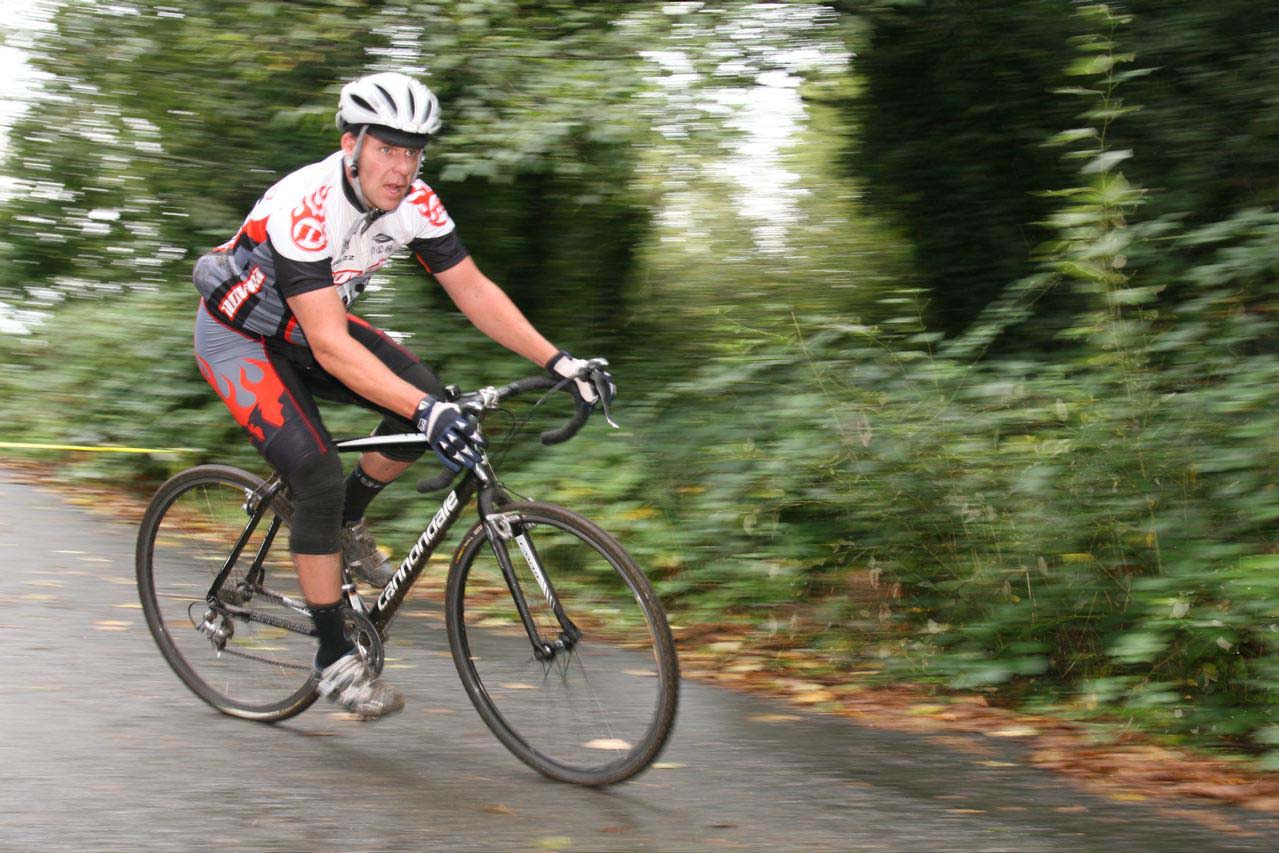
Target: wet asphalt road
{"type": "Point", "coordinates": [101, 747]}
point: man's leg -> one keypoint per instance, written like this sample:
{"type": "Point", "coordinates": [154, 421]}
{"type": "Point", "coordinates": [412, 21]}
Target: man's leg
{"type": "Point", "coordinates": [373, 473]}
{"type": "Point", "coordinates": [382, 467]}
{"type": "Point", "coordinates": [264, 393]}
{"type": "Point", "coordinates": [376, 470]}
{"type": "Point", "coordinates": [320, 577]}
{"type": "Point", "coordinates": [315, 539]}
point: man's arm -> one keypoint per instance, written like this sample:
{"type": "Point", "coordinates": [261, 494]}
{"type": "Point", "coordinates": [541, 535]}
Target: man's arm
{"type": "Point", "coordinates": [323, 319]}
{"type": "Point", "coordinates": [492, 312]}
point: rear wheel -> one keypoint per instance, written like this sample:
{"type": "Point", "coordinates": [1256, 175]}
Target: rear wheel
{"type": "Point", "coordinates": [248, 654]}
{"type": "Point", "coordinates": [601, 708]}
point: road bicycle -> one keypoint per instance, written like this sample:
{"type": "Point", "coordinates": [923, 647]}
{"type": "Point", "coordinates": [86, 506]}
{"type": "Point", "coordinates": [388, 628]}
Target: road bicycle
{"type": "Point", "coordinates": [559, 638]}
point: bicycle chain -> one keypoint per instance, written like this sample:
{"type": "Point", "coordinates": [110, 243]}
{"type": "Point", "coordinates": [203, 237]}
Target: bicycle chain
{"type": "Point", "coordinates": [269, 661]}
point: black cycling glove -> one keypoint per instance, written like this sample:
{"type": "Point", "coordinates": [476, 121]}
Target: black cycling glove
{"type": "Point", "coordinates": [454, 437]}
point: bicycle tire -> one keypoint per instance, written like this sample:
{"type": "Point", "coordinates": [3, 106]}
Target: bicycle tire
{"type": "Point", "coordinates": [263, 673]}
{"type": "Point", "coordinates": [625, 638]}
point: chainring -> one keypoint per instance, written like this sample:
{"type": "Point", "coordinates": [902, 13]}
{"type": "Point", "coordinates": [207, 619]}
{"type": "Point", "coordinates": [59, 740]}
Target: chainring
{"type": "Point", "coordinates": [368, 642]}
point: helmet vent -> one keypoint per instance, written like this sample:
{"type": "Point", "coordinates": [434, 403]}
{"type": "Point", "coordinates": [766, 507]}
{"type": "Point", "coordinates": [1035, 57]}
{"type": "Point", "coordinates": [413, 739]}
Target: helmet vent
{"type": "Point", "coordinates": [391, 101]}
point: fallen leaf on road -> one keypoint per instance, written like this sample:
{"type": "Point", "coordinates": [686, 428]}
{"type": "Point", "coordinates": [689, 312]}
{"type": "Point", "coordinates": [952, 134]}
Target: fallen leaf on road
{"type": "Point", "coordinates": [1266, 804]}
{"type": "Point", "coordinates": [608, 743]}
{"type": "Point", "coordinates": [343, 715]}
{"type": "Point", "coordinates": [812, 697]}
{"type": "Point", "coordinates": [112, 625]}
{"type": "Point", "coordinates": [774, 718]}
{"type": "Point", "coordinates": [1015, 731]}
{"type": "Point", "coordinates": [499, 808]}
{"type": "Point", "coordinates": [745, 666]}
{"type": "Point", "coordinates": [966, 811]}
{"type": "Point", "coordinates": [799, 686]}
{"type": "Point", "coordinates": [668, 765]}
{"type": "Point", "coordinates": [727, 646]}
{"type": "Point", "coordinates": [997, 764]}
{"type": "Point", "coordinates": [1229, 793]}
{"type": "Point", "coordinates": [554, 842]}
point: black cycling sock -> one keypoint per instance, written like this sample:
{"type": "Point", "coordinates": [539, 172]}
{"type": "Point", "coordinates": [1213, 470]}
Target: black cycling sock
{"type": "Point", "coordinates": [333, 641]}
{"type": "Point", "coordinates": [361, 489]}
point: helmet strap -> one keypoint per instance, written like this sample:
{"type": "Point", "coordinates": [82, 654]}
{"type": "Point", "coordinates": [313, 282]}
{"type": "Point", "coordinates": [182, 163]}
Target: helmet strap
{"type": "Point", "coordinates": [353, 165]}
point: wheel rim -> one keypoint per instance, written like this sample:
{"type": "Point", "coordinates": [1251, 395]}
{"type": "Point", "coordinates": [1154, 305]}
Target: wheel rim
{"type": "Point", "coordinates": [262, 668]}
{"type": "Point", "coordinates": [588, 715]}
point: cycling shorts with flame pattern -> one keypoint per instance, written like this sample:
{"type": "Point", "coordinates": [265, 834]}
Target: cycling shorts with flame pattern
{"type": "Point", "coordinates": [271, 387]}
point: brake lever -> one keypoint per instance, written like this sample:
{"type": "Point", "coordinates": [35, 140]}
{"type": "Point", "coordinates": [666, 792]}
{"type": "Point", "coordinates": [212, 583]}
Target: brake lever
{"type": "Point", "coordinates": [601, 389]}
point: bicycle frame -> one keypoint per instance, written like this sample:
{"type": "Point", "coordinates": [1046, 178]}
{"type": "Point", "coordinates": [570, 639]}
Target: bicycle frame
{"type": "Point", "coordinates": [498, 527]}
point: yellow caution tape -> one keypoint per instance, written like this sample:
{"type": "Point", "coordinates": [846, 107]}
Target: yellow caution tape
{"type": "Point", "coordinates": [99, 448]}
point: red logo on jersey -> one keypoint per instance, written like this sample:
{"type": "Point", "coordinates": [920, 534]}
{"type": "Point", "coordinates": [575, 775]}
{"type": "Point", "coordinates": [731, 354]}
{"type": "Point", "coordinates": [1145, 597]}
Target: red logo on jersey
{"type": "Point", "coordinates": [308, 222]}
{"type": "Point", "coordinates": [428, 204]}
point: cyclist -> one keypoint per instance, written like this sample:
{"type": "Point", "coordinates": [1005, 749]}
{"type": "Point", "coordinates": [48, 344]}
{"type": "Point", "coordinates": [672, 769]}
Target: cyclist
{"type": "Point", "coordinates": [273, 333]}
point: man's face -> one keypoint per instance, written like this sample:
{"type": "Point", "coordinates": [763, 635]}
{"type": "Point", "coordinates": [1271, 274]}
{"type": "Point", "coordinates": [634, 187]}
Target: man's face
{"type": "Point", "coordinates": [385, 170]}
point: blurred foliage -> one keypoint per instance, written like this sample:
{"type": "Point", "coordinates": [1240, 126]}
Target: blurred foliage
{"type": "Point", "coordinates": [944, 331]}
{"type": "Point", "coordinates": [952, 124]}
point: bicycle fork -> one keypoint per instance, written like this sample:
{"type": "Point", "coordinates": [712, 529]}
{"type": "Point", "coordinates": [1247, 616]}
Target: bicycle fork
{"type": "Point", "coordinates": [503, 528]}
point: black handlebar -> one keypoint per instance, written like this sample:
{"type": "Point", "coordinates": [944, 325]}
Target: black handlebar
{"type": "Point", "coordinates": [436, 483]}
{"type": "Point", "coordinates": [474, 402]}
{"type": "Point", "coordinates": [570, 428]}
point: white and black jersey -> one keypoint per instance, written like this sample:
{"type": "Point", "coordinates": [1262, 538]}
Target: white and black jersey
{"type": "Point", "coordinates": [310, 231]}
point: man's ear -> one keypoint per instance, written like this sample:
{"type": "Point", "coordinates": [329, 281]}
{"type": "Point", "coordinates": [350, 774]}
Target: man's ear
{"type": "Point", "coordinates": [348, 143]}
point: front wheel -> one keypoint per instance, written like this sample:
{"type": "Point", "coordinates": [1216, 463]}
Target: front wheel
{"type": "Point", "coordinates": [600, 708]}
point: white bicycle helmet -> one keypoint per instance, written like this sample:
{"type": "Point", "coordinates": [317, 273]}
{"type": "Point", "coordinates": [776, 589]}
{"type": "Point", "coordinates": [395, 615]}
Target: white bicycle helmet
{"type": "Point", "coordinates": [390, 106]}
{"type": "Point", "coordinates": [400, 109]}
